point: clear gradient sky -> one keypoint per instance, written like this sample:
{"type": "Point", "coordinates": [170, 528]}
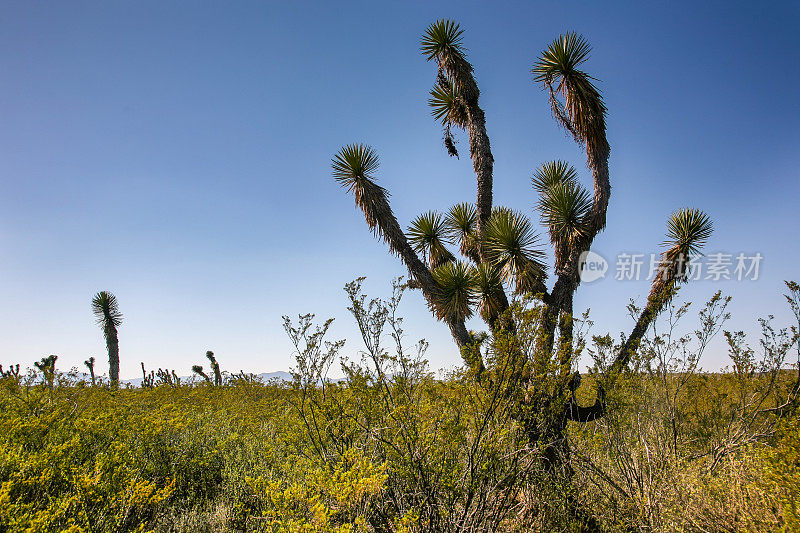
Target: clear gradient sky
{"type": "Point", "coordinates": [178, 155]}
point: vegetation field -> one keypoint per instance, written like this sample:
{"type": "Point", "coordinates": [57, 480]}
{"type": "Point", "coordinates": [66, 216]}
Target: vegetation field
{"type": "Point", "coordinates": [396, 448]}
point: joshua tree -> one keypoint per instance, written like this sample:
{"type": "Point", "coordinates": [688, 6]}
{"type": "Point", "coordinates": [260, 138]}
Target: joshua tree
{"type": "Point", "coordinates": [215, 368]}
{"type": "Point", "coordinates": [106, 310]}
{"type": "Point", "coordinates": [499, 247]}
{"type": "Point", "coordinates": [198, 369]}
{"type": "Point", "coordinates": [47, 366]}
{"type": "Point", "coordinates": [148, 380]}
{"type": "Point", "coordinates": [167, 377]}
{"type": "Point", "coordinates": [90, 365]}
{"type": "Point", "coordinates": [12, 372]}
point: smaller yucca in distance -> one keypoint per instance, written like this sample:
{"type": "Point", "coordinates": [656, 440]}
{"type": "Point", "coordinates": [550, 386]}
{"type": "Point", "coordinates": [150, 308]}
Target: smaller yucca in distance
{"type": "Point", "coordinates": [109, 318]}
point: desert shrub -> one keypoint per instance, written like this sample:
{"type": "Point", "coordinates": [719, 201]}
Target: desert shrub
{"type": "Point", "coordinates": [314, 497]}
{"type": "Point", "coordinates": [782, 470]}
{"type": "Point", "coordinates": [680, 449]}
{"type": "Point", "coordinates": [452, 453]}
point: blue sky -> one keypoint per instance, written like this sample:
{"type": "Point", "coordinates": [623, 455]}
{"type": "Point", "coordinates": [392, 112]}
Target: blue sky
{"type": "Point", "coordinates": [177, 154]}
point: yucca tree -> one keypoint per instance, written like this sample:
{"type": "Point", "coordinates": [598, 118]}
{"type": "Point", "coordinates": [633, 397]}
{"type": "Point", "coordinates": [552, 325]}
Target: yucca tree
{"type": "Point", "coordinates": [89, 363]}
{"type": "Point", "coordinates": [47, 366]}
{"type": "Point", "coordinates": [427, 235]}
{"type": "Point", "coordinates": [148, 380]}
{"type": "Point", "coordinates": [687, 231]}
{"type": "Point", "coordinates": [454, 101]}
{"type": "Point", "coordinates": [354, 168]}
{"type": "Point", "coordinates": [578, 106]}
{"type": "Point", "coordinates": [109, 318]}
{"type": "Point", "coordinates": [12, 372]}
{"type": "Point", "coordinates": [501, 251]}
{"type": "Point", "coordinates": [198, 369]}
{"type": "Point", "coordinates": [215, 368]}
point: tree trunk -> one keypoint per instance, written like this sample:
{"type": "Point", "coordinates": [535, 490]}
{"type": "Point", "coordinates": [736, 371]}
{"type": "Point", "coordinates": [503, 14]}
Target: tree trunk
{"type": "Point", "coordinates": [112, 343]}
{"type": "Point", "coordinates": [217, 374]}
{"type": "Point", "coordinates": [660, 295]}
{"type": "Point", "coordinates": [597, 152]}
{"type": "Point", "coordinates": [398, 242]}
{"type": "Point", "coordinates": [482, 162]}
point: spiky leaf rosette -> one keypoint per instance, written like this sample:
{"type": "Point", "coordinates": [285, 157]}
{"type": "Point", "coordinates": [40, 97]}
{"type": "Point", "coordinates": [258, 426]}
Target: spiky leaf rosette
{"type": "Point", "coordinates": [106, 310]}
{"type": "Point", "coordinates": [353, 168]}
{"type": "Point", "coordinates": [489, 289]}
{"type": "Point", "coordinates": [580, 107]}
{"type": "Point", "coordinates": [461, 221]}
{"type": "Point", "coordinates": [442, 42]}
{"type": "Point", "coordinates": [456, 295]}
{"type": "Point", "coordinates": [688, 230]}
{"type": "Point", "coordinates": [447, 106]}
{"type": "Point", "coordinates": [427, 233]}
{"type": "Point", "coordinates": [564, 205]}
{"type": "Point", "coordinates": [510, 246]}
{"type": "Point", "coordinates": [553, 173]}
{"type": "Point", "coordinates": [564, 208]}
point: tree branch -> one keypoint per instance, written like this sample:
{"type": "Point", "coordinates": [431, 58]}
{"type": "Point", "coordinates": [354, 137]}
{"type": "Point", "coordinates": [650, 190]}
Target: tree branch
{"type": "Point", "coordinates": [419, 273]}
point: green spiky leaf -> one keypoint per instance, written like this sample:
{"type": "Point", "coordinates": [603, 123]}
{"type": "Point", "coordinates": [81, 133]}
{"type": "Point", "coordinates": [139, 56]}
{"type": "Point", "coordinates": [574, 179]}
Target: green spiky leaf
{"type": "Point", "coordinates": [511, 246]}
{"type": "Point", "coordinates": [562, 58]}
{"type": "Point", "coordinates": [564, 204]}
{"type": "Point", "coordinates": [456, 294]}
{"type": "Point", "coordinates": [582, 110]}
{"type": "Point", "coordinates": [489, 288]}
{"type": "Point", "coordinates": [447, 106]}
{"type": "Point", "coordinates": [427, 233]}
{"type": "Point", "coordinates": [106, 309]}
{"type": "Point", "coordinates": [354, 162]}
{"type": "Point", "coordinates": [461, 222]}
{"type": "Point", "coordinates": [688, 230]}
{"type": "Point", "coordinates": [442, 38]}
{"type": "Point", "coordinates": [551, 173]}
